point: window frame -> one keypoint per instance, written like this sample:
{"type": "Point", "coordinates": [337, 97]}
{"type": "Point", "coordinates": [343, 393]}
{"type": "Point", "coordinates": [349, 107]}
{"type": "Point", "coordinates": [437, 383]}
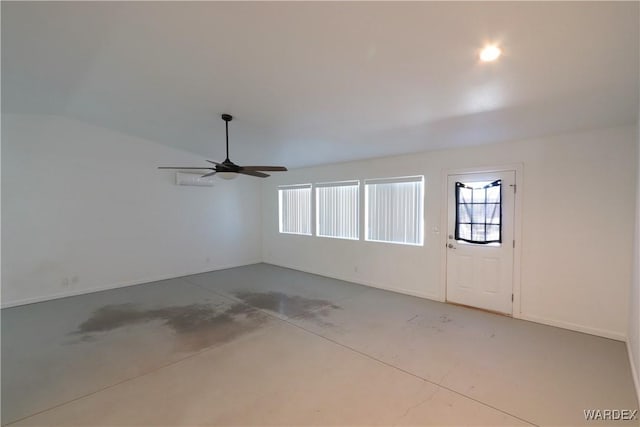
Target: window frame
{"type": "Point", "coordinates": [280, 208]}
{"type": "Point", "coordinates": [420, 214]}
{"type": "Point", "coordinates": [349, 183]}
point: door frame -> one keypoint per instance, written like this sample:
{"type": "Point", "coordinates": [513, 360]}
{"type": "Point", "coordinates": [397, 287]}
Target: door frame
{"type": "Point", "coordinates": [518, 168]}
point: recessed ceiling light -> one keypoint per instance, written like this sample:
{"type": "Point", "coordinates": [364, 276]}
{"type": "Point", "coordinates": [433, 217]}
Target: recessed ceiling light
{"type": "Point", "coordinates": [490, 53]}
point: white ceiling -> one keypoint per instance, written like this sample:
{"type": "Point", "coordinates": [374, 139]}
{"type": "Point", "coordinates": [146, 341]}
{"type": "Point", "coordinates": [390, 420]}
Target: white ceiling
{"type": "Point", "coordinates": [316, 82]}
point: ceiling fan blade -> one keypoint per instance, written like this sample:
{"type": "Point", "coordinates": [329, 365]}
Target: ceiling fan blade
{"type": "Point", "coordinates": [209, 174]}
{"type": "Point", "coordinates": [180, 167]}
{"type": "Point", "coordinates": [264, 168]}
{"type": "Point", "coordinates": [253, 173]}
{"type": "Point", "coordinates": [215, 163]}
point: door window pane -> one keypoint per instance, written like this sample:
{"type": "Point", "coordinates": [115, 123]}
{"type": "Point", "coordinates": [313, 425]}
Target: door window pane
{"type": "Point", "coordinates": [479, 212]}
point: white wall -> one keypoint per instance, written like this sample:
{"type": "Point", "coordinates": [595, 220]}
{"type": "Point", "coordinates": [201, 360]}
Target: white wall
{"type": "Point", "coordinates": [633, 341]}
{"type": "Point", "coordinates": [578, 213]}
{"type": "Point", "coordinates": [84, 208]}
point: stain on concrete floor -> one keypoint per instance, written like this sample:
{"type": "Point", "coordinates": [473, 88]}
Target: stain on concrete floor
{"type": "Point", "coordinates": [289, 305]}
{"type": "Point", "coordinates": [196, 326]}
{"type": "Point", "coordinates": [445, 319]}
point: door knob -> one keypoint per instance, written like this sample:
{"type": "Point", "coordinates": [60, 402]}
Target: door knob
{"type": "Point", "coordinates": [450, 246]}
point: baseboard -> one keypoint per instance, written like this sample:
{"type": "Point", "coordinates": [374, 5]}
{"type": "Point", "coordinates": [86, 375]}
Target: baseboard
{"type": "Point", "coordinates": [574, 327]}
{"type": "Point", "coordinates": [550, 322]}
{"type": "Point", "coordinates": [634, 372]}
{"type": "Point", "coordinates": [34, 300]}
{"type": "Point", "coordinates": [359, 281]}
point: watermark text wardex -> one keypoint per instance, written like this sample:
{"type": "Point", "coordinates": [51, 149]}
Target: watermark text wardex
{"type": "Point", "coordinates": [610, 414]}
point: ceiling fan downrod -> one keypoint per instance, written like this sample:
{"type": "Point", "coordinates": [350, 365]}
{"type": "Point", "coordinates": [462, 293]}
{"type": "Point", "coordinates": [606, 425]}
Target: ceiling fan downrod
{"type": "Point", "coordinates": [228, 168]}
{"type": "Point", "coordinates": [227, 118]}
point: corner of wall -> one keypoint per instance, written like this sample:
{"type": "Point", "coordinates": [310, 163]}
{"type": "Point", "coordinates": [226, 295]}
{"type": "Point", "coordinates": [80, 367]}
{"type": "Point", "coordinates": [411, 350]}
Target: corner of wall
{"type": "Point", "coordinates": [633, 334]}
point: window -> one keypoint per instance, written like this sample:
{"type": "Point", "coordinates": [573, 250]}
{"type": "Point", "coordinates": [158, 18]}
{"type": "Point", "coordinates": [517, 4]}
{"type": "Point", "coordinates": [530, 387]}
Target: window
{"type": "Point", "coordinates": [337, 210]}
{"type": "Point", "coordinates": [479, 212]}
{"type": "Point", "coordinates": [394, 210]}
{"type": "Point", "coordinates": [295, 209]}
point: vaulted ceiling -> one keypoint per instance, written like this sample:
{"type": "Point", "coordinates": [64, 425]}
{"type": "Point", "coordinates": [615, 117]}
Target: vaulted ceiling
{"type": "Point", "coordinates": [317, 82]}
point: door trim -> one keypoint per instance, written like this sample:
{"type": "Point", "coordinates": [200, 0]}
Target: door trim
{"type": "Point", "coordinates": [518, 168]}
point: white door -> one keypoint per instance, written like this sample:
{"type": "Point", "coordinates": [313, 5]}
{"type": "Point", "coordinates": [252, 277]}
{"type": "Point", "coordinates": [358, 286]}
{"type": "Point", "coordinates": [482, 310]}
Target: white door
{"type": "Point", "coordinates": [480, 241]}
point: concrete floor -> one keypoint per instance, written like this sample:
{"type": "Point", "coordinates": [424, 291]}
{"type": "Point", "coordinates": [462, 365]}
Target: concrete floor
{"type": "Point", "coordinates": [261, 345]}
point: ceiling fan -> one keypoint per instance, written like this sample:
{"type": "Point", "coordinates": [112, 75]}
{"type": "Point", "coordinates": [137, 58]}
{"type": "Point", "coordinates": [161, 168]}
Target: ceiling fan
{"type": "Point", "coordinates": [228, 167]}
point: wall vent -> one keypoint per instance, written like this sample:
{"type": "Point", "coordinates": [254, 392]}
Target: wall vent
{"type": "Point", "coordinates": [194, 179]}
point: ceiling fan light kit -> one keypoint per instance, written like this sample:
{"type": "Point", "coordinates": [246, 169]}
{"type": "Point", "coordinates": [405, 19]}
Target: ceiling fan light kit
{"type": "Point", "coordinates": [228, 169]}
{"type": "Point", "coordinates": [227, 175]}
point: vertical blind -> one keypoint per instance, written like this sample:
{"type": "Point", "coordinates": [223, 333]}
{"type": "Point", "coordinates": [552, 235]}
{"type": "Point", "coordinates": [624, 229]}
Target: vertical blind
{"type": "Point", "coordinates": [394, 210]}
{"type": "Point", "coordinates": [337, 209]}
{"type": "Point", "coordinates": [295, 209]}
